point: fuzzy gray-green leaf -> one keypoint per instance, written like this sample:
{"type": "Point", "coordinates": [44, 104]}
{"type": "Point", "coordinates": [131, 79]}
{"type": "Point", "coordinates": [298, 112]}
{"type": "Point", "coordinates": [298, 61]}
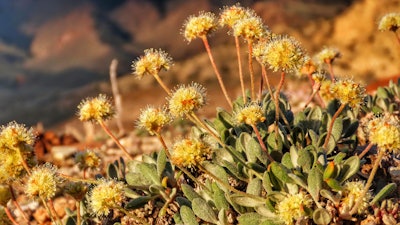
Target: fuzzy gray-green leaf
{"type": "Point", "coordinates": [187, 216]}
{"type": "Point", "coordinates": [161, 162]}
{"type": "Point", "coordinates": [314, 181]}
{"type": "Point", "coordinates": [387, 190]}
{"type": "Point", "coordinates": [150, 172]}
{"type": "Point", "coordinates": [322, 216]}
{"type": "Point", "coordinates": [349, 168]}
{"type": "Point", "coordinates": [203, 210]}
{"type": "Point", "coordinates": [189, 192]}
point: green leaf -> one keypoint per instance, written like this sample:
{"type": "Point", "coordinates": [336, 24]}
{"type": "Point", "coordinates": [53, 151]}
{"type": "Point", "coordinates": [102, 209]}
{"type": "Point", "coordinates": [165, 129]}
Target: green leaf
{"type": "Point", "coordinates": [138, 202]}
{"type": "Point", "coordinates": [266, 182]}
{"type": "Point", "coordinates": [250, 219]}
{"type": "Point", "coordinates": [161, 162]}
{"type": "Point", "coordinates": [253, 150]}
{"type": "Point", "coordinates": [218, 172]}
{"type": "Point", "coordinates": [219, 198]}
{"type": "Point", "coordinates": [188, 216]}
{"type": "Point", "coordinates": [314, 181]}
{"type": "Point", "coordinates": [183, 201]}
{"type": "Point", "coordinates": [137, 179]}
{"type": "Point", "coordinates": [305, 159]}
{"type": "Point", "coordinates": [203, 210]}
{"type": "Point", "coordinates": [298, 180]}
{"type": "Point", "coordinates": [321, 216]}
{"type": "Point", "coordinates": [349, 168]}
{"type": "Point", "coordinates": [281, 172]}
{"type": "Point", "coordinates": [254, 187]}
{"type": "Point", "coordinates": [351, 129]}
{"type": "Point", "coordinates": [112, 171]}
{"type": "Point", "coordinates": [384, 192]}
{"type": "Point", "coordinates": [246, 200]}
{"type": "Point", "coordinates": [189, 192]}
{"type": "Point", "coordinates": [294, 156]}
{"type": "Point", "coordinates": [150, 172]}
{"type": "Point", "coordinates": [222, 218]}
{"type": "Point", "coordinates": [334, 184]}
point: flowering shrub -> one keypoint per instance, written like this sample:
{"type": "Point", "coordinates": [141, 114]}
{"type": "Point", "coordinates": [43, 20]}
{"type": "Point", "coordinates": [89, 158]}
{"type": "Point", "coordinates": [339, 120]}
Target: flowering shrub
{"type": "Point", "coordinates": [257, 162]}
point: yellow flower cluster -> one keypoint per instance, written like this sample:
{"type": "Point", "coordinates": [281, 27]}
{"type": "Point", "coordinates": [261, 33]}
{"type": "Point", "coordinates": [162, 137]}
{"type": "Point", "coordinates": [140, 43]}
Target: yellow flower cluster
{"type": "Point", "coordinates": [42, 183]}
{"type": "Point", "coordinates": [385, 133]}
{"type": "Point", "coordinates": [152, 62]}
{"type": "Point", "coordinates": [153, 119]}
{"type": "Point", "coordinates": [352, 191]}
{"type": "Point", "coordinates": [327, 55]}
{"type": "Point", "coordinates": [284, 54]}
{"type": "Point", "coordinates": [250, 28]}
{"type": "Point", "coordinates": [198, 26]}
{"type": "Point", "coordinates": [348, 92]}
{"type": "Point", "coordinates": [87, 159]}
{"type": "Point", "coordinates": [107, 195]}
{"type": "Point", "coordinates": [187, 99]}
{"type": "Point", "coordinates": [292, 207]}
{"type": "Point", "coordinates": [229, 16]}
{"type": "Point", "coordinates": [96, 109]}
{"type": "Point", "coordinates": [189, 152]}
{"type": "Point", "coordinates": [389, 22]}
{"type": "Point", "coordinates": [250, 114]}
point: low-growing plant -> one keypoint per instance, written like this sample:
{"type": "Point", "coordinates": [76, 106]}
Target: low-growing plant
{"type": "Point", "coordinates": [257, 162]}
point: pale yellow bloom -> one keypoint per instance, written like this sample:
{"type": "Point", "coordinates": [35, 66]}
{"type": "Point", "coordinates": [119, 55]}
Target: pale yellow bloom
{"type": "Point", "coordinates": [107, 195]}
{"type": "Point", "coordinates": [153, 119]}
{"type": "Point", "coordinates": [189, 152]}
{"type": "Point", "coordinates": [198, 26]}
{"type": "Point", "coordinates": [96, 109]}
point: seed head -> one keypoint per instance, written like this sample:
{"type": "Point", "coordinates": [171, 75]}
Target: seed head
{"type": "Point", "coordinates": [96, 109]}
{"type": "Point", "coordinates": [229, 16]}
{"type": "Point", "coordinates": [189, 152]}
{"type": "Point", "coordinates": [285, 54]}
{"type": "Point", "coordinates": [348, 92]}
{"type": "Point", "coordinates": [385, 133]}
{"type": "Point", "coordinates": [42, 183]}
{"type": "Point", "coordinates": [352, 191]}
{"type": "Point", "coordinates": [292, 207]}
{"type": "Point", "coordinates": [389, 22]}
{"type": "Point", "coordinates": [151, 63]}
{"type": "Point", "coordinates": [328, 55]}
{"type": "Point", "coordinates": [105, 196]}
{"type": "Point", "coordinates": [187, 99]}
{"type": "Point", "coordinates": [198, 26]}
{"type": "Point", "coordinates": [153, 119]}
{"type": "Point", "coordinates": [250, 114]}
{"type": "Point", "coordinates": [250, 28]}
{"type": "Point", "coordinates": [87, 159]}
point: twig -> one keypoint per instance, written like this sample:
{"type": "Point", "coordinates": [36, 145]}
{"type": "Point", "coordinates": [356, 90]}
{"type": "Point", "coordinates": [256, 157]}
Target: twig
{"type": "Point", "coordinates": [116, 94]}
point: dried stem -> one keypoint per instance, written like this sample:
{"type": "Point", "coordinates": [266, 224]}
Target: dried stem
{"type": "Point", "coordinates": [78, 212]}
{"type": "Point", "coordinates": [219, 77]}
{"type": "Point", "coordinates": [315, 90]}
{"type": "Point", "coordinates": [10, 217]}
{"type": "Point", "coordinates": [240, 69]}
{"type": "Point", "coordinates": [51, 204]}
{"type": "Point", "coordinates": [331, 72]}
{"type": "Point", "coordinates": [15, 202]}
{"type": "Point", "coordinates": [251, 70]}
{"type": "Point", "coordinates": [116, 94]}
{"type": "Point", "coordinates": [337, 113]}
{"type": "Point", "coordinates": [78, 179]}
{"type": "Point", "coordinates": [369, 146]}
{"type": "Point", "coordinates": [105, 128]}
{"type": "Point", "coordinates": [369, 182]}
{"type": "Point", "coordinates": [277, 109]}
{"type": "Point", "coordinates": [262, 144]}
{"type": "Point", "coordinates": [265, 76]}
{"type": "Point", "coordinates": [162, 84]}
{"type": "Point", "coordinates": [397, 36]}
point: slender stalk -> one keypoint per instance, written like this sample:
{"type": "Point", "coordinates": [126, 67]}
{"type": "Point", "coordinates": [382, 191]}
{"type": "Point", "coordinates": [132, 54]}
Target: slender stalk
{"type": "Point", "coordinates": [219, 77]}
{"type": "Point", "coordinates": [116, 94]}
{"type": "Point", "coordinates": [331, 72]}
{"type": "Point", "coordinates": [337, 113]}
{"type": "Point", "coordinates": [320, 100]}
{"type": "Point", "coordinates": [105, 128]}
{"type": "Point", "coordinates": [240, 69]}
{"type": "Point", "coordinates": [162, 84]}
{"type": "Point", "coordinates": [24, 164]}
{"type": "Point", "coordinates": [315, 90]}
{"type": "Point", "coordinates": [260, 89]}
{"type": "Point", "coordinates": [397, 36]}
{"type": "Point", "coordinates": [277, 109]}
{"type": "Point", "coordinates": [381, 153]}
{"type": "Point", "coordinates": [78, 213]}
{"type": "Point", "coordinates": [10, 217]}
{"type": "Point", "coordinates": [51, 204]}
{"type": "Point", "coordinates": [262, 144]}
{"type": "Point", "coordinates": [265, 76]}
{"type": "Point", "coordinates": [251, 70]}
{"type": "Point", "coordinates": [15, 202]}
{"type": "Point", "coordinates": [48, 211]}
{"type": "Point", "coordinates": [75, 179]}
{"type": "Point", "coordinates": [369, 146]}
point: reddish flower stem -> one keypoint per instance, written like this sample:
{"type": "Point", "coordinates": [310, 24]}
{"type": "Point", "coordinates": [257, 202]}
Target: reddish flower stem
{"type": "Point", "coordinates": [105, 128]}
{"type": "Point", "coordinates": [328, 136]}
{"type": "Point", "coordinates": [262, 144]}
{"type": "Point", "coordinates": [14, 201]}
{"type": "Point", "coordinates": [277, 109]}
{"type": "Point", "coordinates": [251, 70]}
{"type": "Point", "coordinates": [240, 68]}
{"type": "Point", "coordinates": [9, 215]}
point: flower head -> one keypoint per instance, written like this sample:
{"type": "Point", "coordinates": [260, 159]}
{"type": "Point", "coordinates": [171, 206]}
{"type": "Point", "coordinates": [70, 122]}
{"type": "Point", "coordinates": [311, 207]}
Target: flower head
{"type": "Point", "coordinates": [389, 22]}
{"type": "Point", "coordinates": [250, 114]}
{"type": "Point", "coordinates": [328, 55]}
{"type": "Point", "coordinates": [153, 119]}
{"type": "Point", "coordinates": [187, 99]}
{"type": "Point", "coordinates": [189, 152]}
{"type": "Point", "coordinates": [42, 182]}
{"type": "Point", "coordinates": [198, 26]}
{"type": "Point", "coordinates": [352, 191]}
{"type": "Point", "coordinates": [326, 90]}
{"type": "Point", "coordinates": [151, 63]}
{"type": "Point", "coordinates": [229, 16]}
{"type": "Point", "coordinates": [87, 159]}
{"type": "Point", "coordinates": [292, 207]}
{"type": "Point", "coordinates": [385, 133]}
{"type": "Point", "coordinates": [14, 134]}
{"type": "Point", "coordinates": [285, 54]}
{"type": "Point", "coordinates": [105, 196]}
{"type": "Point", "coordinates": [250, 28]}
{"type": "Point", "coordinates": [348, 92]}
{"type": "Point", "coordinates": [96, 109]}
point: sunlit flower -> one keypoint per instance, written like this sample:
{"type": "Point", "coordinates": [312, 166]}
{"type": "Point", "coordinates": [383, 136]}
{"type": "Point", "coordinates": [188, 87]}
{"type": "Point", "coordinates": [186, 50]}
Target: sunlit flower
{"type": "Point", "coordinates": [189, 152]}
{"type": "Point", "coordinates": [87, 159]}
{"type": "Point", "coordinates": [352, 191]}
{"type": "Point", "coordinates": [250, 28]}
{"type": "Point", "coordinates": [151, 63]}
{"type": "Point", "coordinates": [232, 14]}
{"type": "Point", "coordinates": [153, 119]}
{"type": "Point", "coordinates": [389, 22]}
{"type": "Point", "coordinates": [14, 134]}
{"type": "Point", "coordinates": [327, 55]}
{"type": "Point", "coordinates": [348, 92]}
{"type": "Point", "coordinates": [292, 207]}
{"type": "Point", "coordinates": [198, 26]}
{"type": "Point", "coordinates": [187, 99]}
{"type": "Point", "coordinates": [107, 195]}
{"type": "Point", "coordinates": [42, 183]}
{"type": "Point", "coordinates": [385, 133]}
{"type": "Point", "coordinates": [250, 114]}
{"type": "Point", "coordinates": [96, 109]}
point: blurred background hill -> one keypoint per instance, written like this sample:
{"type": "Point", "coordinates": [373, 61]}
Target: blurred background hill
{"type": "Point", "coordinates": [54, 53]}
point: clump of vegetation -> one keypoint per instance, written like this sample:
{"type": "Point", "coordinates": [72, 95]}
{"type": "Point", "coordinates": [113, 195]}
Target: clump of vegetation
{"type": "Point", "coordinates": [257, 162]}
